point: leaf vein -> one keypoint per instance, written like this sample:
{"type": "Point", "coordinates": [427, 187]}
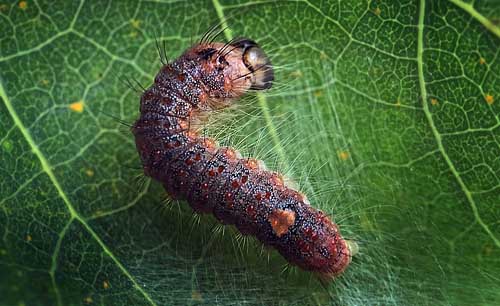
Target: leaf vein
{"type": "Point", "coordinates": [261, 98]}
{"type": "Point", "coordinates": [437, 135]}
{"type": "Point", "coordinates": [469, 8]}
{"type": "Point", "coordinates": [74, 214]}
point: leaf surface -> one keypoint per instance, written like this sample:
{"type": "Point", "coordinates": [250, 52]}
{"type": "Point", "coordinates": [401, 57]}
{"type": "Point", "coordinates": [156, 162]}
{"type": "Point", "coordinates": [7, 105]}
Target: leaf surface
{"type": "Point", "coordinates": [385, 113]}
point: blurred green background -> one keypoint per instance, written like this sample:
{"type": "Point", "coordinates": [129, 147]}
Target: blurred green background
{"type": "Point", "coordinates": [385, 113]}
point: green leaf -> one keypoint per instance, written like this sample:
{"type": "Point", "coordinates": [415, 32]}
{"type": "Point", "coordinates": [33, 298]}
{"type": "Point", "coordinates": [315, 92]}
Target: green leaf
{"type": "Point", "coordinates": [386, 114]}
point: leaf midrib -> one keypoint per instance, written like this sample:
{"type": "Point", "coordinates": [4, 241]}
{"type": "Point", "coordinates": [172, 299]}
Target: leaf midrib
{"type": "Point", "coordinates": [423, 90]}
{"type": "Point", "coordinates": [435, 132]}
{"type": "Point", "coordinates": [74, 214]}
{"type": "Point", "coordinates": [47, 168]}
{"type": "Point", "coordinates": [469, 8]}
{"type": "Point", "coordinates": [260, 97]}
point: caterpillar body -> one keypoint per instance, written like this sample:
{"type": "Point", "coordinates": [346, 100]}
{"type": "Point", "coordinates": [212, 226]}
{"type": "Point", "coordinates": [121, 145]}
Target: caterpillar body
{"type": "Point", "coordinates": [217, 180]}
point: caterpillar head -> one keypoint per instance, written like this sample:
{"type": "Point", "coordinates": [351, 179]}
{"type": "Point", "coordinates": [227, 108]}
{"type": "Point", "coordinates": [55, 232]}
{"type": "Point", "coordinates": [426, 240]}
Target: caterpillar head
{"type": "Point", "coordinates": [234, 67]}
{"type": "Point", "coordinates": [257, 63]}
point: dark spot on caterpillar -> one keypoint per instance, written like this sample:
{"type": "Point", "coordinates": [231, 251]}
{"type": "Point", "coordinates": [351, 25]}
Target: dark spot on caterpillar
{"type": "Point", "coordinates": [205, 54]}
{"type": "Point", "coordinates": [236, 190]}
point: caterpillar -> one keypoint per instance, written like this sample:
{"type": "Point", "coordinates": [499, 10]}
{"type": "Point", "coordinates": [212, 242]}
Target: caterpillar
{"type": "Point", "coordinates": [212, 179]}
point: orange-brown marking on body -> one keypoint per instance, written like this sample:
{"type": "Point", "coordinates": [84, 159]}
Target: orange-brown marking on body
{"type": "Point", "coordinates": [230, 154]}
{"type": "Point", "coordinates": [209, 143]}
{"type": "Point", "coordinates": [203, 97]}
{"type": "Point", "coordinates": [299, 196]}
{"type": "Point", "coordinates": [258, 197]}
{"type": "Point", "coordinates": [251, 211]}
{"type": "Point", "coordinates": [229, 197]}
{"type": "Point", "coordinates": [252, 164]}
{"type": "Point", "coordinates": [304, 246]}
{"type": "Point", "coordinates": [192, 135]}
{"type": "Point", "coordinates": [281, 220]}
{"type": "Point", "coordinates": [277, 180]}
{"type": "Point", "coordinates": [267, 195]}
{"type": "Point", "coordinates": [183, 124]}
{"type": "Point", "coordinates": [181, 77]}
{"type": "Point", "coordinates": [228, 85]}
{"type": "Point", "coordinates": [235, 184]}
{"type": "Point", "coordinates": [165, 101]}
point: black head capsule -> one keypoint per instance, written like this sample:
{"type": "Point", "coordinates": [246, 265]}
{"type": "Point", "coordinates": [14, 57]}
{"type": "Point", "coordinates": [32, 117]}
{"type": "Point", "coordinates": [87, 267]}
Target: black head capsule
{"type": "Point", "coordinates": [257, 62]}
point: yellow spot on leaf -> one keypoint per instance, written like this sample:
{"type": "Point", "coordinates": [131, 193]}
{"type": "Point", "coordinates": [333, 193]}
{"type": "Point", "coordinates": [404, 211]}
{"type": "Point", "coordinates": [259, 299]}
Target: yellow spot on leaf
{"type": "Point", "coordinates": [133, 34]}
{"type": "Point", "coordinates": [482, 61]}
{"type": "Point", "coordinates": [29, 238]}
{"type": "Point", "coordinates": [434, 101]}
{"type": "Point", "coordinates": [44, 82]}
{"type": "Point", "coordinates": [105, 284]}
{"type": "Point", "coordinates": [77, 106]}
{"type": "Point", "coordinates": [398, 103]}
{"type": "Point", "coordinates": [318, 93]}
{"type": "Point", "coordinates": [344, 155]}
{"type": "Point", "coordinates": [89, 172]}
{"type": "Point", "coordinates": [489, 99]}
{"type": "Point", "coordinates": [136, 23]}
{"type": "Point", "coordinates": [196, 296]}
{"type": "Point", "coordinates": [323, 55]}
{"type": "Point", "coordinates": [377, 11]}
{"type": "Point", "coordinates": [487, 250]}
{"type": "Point", "coordinates": [296, 73]}
{"type": "Point", "coordinates": [23, 5]}
{"type": "Point", "coordinates": [88, 300]}
{"type": "Point", "coordinates": [375, 71]}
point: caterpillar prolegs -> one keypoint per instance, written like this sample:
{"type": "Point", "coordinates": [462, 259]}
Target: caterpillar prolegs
{"type": "Point", "coordinates": [218, 180]}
